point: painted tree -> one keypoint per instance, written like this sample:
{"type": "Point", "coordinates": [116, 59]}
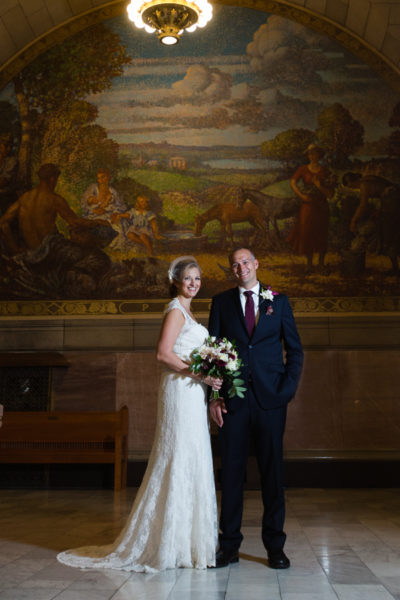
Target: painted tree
{"type": "Point", "coordinates": [394, 138]}
{"type": "Point", "coordinates": [73, 140]}
{"type": "Point", "coordinates": [9, 119]}
{"type": "Point", "coordinates": [57, 82]}
{"type": "Point", "coordinates": [339, 133]}
{"type": "Point", "coordinates": [288, 146]}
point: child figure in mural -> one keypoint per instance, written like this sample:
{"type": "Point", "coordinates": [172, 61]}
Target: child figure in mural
{"type": "Point", "coordinates": [141, 224]}
{"type": "Point", "coordinates": [310, 233]}
{"type": "Point", "coordinates": [100, 200]}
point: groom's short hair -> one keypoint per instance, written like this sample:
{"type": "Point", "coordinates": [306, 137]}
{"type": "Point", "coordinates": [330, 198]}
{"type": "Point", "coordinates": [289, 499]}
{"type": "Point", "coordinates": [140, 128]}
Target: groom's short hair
{"type": "Point", "coordinates": [230, 255]}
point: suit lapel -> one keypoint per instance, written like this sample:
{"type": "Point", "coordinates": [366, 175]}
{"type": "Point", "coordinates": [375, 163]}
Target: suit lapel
{"type": "Point", "coordinates": [239, 309]}
{"type": "Point", "coordinates": [262, 307]}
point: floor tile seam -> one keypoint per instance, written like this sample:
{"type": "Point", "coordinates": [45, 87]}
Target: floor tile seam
{"type": "Point", "coordinates": [385, 543]}
{"type": "Point", "coordinates": [377, 575]}
{"type": "Point", "coordinates": [364, 565]}
{"type": "Point", "coordinates": [310, 541]}
{"type": "Point", "coordinates": [28, 576]}
{"type": "Point", "coordinates": [83, 572]}
{"type": "Point", "coordinates": [387, 547]}
{"type": "Point", "coordinates": [179, 575]}
{"type": "Point", "coordinates": [387, 589]}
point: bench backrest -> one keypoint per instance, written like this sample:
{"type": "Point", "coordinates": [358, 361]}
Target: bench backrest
{"type": "Point", "coordinates": [68, 426]}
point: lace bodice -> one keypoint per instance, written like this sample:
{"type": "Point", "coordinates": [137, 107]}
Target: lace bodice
{"type": "Point", "coordinates": [191, 335]}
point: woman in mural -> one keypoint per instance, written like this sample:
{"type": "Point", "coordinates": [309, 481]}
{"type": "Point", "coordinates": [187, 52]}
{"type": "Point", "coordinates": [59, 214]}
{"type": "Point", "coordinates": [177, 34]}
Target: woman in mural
{"type": "Point", "coordinates": [310, 233]}
{"type": "Point", "coordinates": [173, 522]}
{"type": "Point", "coordinates": [100, 200]}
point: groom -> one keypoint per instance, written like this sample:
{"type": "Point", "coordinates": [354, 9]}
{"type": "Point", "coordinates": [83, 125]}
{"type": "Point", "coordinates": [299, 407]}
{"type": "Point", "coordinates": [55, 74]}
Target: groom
{"type": "Point", "coordinates": [258, 321]}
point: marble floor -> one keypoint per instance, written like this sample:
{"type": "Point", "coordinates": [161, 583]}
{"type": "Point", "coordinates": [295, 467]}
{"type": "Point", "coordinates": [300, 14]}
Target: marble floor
{"type": "Point", "coordinates": [343, 544]}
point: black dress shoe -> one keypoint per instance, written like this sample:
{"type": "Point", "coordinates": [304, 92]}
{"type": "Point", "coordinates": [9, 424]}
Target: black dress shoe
{"type": "Point", "coordinates": [224, 557]}
{"type": "Point", "coordinates": [277, 559]}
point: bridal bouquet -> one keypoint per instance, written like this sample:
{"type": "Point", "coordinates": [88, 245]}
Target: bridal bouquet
{"type": "Point", "coordinates": [218, 357]}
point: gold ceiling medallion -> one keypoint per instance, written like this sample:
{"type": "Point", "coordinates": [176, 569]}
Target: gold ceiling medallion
{"type": "Point", "coordinates": [169, 19]}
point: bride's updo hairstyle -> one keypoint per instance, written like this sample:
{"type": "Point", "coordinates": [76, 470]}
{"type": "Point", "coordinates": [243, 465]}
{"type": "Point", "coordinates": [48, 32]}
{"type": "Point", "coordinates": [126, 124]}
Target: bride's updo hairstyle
{"type": "Point", "coordinates": [177, 270]}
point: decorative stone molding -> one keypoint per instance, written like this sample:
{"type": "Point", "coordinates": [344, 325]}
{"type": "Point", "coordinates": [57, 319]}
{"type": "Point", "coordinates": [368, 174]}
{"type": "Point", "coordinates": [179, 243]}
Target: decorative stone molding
{"type": "Point", "coordinates": [106, 308]}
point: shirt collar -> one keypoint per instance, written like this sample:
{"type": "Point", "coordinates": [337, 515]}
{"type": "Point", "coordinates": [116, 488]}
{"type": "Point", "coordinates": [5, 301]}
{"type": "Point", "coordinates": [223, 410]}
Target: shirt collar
{"type": "Point", "coordinates": [255, 289]}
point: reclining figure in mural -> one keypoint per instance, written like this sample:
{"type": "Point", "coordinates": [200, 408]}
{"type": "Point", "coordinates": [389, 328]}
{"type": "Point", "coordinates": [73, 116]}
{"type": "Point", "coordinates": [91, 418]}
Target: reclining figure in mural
{"type": "Point", "coordinates": [36, 212]}
{"type": "Point", "coordinates": [376, 221]}
{"type": "Point", "coordinates": [29, 232]}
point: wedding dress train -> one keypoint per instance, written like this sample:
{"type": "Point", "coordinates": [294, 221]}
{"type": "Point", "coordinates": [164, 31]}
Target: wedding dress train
{"type": "Point", "coordinates": [173, 521]}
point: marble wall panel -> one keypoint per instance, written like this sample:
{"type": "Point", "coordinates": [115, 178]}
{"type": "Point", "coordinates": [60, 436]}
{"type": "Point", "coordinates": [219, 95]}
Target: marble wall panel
{"type": "Point", "coordinates": [89, 383]}
{"type": "Point", "coordinates": [367, 332]}
{"type": "Point", "coordinates": [31, 335]}
{"type": "Point", "coordinates": [138, 375]}
{"type": "Point", "coordinates": [347, 401]}
{"type": "Point", "coordinates": [104, 334]}
{"type": "Point", "coordinates": [313, 420]}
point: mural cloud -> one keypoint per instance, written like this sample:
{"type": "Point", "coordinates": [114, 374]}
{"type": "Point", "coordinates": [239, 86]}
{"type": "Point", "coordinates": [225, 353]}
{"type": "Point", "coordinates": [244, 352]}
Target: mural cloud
{"type": "Point", "coordinates": [287, 53]}
{"type": "Point", "coordinates": [205, 84]}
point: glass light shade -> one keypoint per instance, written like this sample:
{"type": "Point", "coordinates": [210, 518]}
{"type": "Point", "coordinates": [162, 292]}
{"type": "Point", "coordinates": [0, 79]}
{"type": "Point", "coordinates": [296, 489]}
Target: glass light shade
{"type": "Point", "coordinates": [169, 18]}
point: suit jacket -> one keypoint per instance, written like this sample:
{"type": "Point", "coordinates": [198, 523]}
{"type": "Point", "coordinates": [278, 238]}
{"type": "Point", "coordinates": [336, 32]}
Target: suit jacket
{"type": "Point", "coordinates": [274, 380]}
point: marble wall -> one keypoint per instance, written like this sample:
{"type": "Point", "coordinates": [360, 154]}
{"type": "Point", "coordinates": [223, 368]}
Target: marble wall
{"type": "Point", "coordinates": [347, 405]}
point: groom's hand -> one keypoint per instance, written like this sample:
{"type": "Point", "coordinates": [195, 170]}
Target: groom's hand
{"type": "Point", "coordinates": [217, 408]}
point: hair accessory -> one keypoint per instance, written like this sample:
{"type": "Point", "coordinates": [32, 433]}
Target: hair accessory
{"type": "Point", "coordinates": [175, 263]}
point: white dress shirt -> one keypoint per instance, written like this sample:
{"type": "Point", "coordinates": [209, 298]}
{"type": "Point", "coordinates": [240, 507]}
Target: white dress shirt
{"type": "Point", "coordinates": [255, 296]}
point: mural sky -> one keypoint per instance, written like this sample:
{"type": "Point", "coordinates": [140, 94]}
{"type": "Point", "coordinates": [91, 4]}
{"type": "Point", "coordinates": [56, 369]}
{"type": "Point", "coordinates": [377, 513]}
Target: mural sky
{"type": "Point", "coordinates": [265, 74]}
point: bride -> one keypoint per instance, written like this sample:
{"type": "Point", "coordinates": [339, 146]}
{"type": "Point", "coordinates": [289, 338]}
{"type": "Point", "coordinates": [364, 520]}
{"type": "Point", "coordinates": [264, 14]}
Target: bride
{"type": "Point", "coordinates": [173, 522]}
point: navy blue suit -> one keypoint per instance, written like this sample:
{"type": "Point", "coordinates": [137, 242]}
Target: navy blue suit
{"type": "Point", "coordinates": [271, 383]}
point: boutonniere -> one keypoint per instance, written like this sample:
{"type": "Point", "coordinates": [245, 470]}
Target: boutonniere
{"type": "Point", "coordinates": [268, 294]}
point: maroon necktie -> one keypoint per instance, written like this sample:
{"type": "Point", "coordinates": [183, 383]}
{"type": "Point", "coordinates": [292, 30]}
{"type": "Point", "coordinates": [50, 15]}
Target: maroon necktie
{"type": "Point", "coordinates": [249, 312]}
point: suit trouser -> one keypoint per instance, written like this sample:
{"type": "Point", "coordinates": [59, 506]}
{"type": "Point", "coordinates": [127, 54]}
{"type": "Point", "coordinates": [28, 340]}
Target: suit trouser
{"type": "Point", "coordinates": [266, 428]}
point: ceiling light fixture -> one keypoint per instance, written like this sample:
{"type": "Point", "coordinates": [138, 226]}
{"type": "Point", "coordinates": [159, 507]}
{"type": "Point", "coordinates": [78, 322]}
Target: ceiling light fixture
{"type": "Point", "coordinates": [169, 18]}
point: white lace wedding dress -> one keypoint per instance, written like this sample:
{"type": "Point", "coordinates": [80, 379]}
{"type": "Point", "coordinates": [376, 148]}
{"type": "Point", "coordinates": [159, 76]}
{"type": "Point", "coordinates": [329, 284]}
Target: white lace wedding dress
{"type": "Point", "coordinates": [173, 522]}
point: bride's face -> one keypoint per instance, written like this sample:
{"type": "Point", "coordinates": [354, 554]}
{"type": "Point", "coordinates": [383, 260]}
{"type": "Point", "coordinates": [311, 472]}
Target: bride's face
{"type": "Point", "coordinates": [190, 284]}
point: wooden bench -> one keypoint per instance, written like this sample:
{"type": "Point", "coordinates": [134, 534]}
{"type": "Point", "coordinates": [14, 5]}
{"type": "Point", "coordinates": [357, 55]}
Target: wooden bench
{"type": "Point", "coordinates": [67, 437]}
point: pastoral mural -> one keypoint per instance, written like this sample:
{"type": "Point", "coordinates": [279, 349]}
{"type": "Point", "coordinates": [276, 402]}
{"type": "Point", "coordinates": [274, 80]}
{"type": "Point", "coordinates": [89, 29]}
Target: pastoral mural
{"type": "Point", "coordinates": [118, 153]}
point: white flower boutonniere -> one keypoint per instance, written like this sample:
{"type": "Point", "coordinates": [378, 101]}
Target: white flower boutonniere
{"type": "Point", "coordinates": [268, 294]}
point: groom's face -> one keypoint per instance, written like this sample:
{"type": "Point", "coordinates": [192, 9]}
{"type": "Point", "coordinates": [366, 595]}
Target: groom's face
{"type": "Point", "coordinates": [244, 267]}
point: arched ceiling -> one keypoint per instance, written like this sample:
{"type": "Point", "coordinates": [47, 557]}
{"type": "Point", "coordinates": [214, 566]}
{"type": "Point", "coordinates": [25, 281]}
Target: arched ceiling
{"type": "Point", "coordinates": [369, 28]}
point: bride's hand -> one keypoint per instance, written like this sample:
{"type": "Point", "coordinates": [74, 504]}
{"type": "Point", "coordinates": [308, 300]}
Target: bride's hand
{"type": "Point", "coordinates": [213, 382]}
